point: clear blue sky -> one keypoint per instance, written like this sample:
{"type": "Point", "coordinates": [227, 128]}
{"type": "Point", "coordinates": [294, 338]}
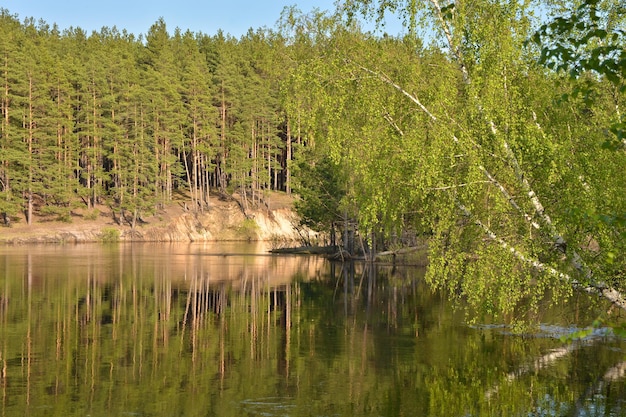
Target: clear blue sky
{"type": "Point", "coordinates": [234, 17]}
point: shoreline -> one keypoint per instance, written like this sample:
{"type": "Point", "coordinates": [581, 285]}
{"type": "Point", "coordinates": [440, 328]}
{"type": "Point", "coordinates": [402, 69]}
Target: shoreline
{"type": "Point", "coordinates": [224, 221]}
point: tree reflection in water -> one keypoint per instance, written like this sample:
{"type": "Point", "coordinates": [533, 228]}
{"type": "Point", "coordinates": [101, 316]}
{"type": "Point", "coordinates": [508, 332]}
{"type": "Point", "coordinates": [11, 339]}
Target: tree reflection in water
{"type": "Point", "coordinates": [193, 330]}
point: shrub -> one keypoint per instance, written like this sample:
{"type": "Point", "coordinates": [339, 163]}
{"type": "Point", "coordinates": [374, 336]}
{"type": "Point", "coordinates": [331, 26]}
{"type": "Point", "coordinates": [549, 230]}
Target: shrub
{"type": "Point", "coordinates": [92, 215]}
{"type": "Point", "coordinates": [110, 234]}
{"type": "Point", "coordinates": [248, 229]}
{"type": "Point", "coordinates": [65, 217]}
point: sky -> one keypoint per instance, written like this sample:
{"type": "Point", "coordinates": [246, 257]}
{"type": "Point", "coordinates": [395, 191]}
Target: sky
{"type": "Point", "coordinates": [233, 17]}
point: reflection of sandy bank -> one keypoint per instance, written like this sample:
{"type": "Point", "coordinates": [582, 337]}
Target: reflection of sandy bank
{"type": "Point", "coordinates": [234, 262]}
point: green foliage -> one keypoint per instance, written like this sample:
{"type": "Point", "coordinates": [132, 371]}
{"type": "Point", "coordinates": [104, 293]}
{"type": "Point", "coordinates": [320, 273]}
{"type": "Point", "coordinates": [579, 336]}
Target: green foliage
{"type": "Point", "coordinates": [109, 235]}
{"type": "Point", "coordinates": [579, 42]}
{"type": "Point", "coordinates": [92, 215]}
{"type": "Point", "coordinates": [589, 40]}
{"type": "Point", "coordinates": [110, 118]}
{"type": "Point", "coordinates": [320, 190]}
{"type": "Point", "coordinates": [474, 148]}
{"type": "Point", "coordinates": [248, 229]}
{"type": "Point", "coordinates": [65, 216]}
{"type": "Point", "coordinates": [464, 139]}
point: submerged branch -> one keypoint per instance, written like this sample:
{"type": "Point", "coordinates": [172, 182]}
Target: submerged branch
{"type": "Point", "coordinates": [535, 366]}
{"type": "Point", "coordinates": [402, 251]}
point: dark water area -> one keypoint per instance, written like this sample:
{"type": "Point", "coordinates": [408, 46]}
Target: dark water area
{"type": "Point", "coordinates": [229, 330]}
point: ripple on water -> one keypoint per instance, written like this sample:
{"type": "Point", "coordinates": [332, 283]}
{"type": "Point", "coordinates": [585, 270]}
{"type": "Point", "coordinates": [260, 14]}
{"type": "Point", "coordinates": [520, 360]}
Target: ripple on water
{"type": "Point", "coordinates": [268, 406]}
{"type": "Point", "coordinates": [549, 331]}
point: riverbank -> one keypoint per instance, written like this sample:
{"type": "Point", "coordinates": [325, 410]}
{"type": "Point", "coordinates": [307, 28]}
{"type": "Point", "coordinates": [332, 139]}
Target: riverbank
{"type": "Point", "coordinates": [223, 221]}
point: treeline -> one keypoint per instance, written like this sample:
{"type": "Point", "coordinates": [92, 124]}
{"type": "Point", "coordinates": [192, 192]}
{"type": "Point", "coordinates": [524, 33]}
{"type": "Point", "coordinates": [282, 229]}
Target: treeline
{"type": "Point", "coordinates": [111, 118]}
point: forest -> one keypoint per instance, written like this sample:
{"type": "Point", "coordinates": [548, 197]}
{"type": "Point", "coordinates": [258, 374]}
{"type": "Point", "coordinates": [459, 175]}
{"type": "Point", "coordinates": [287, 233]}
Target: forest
{"type": "Point", "coordinates": [493, 129]}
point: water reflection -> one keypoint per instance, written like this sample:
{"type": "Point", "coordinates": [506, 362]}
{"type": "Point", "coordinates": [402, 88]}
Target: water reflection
{"type": "Point", "coordinates": [224, 330]}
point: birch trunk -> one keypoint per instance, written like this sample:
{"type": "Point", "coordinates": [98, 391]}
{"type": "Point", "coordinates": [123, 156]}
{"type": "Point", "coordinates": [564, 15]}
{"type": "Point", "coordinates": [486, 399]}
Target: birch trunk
{"type": "Point", "coordinates": [538, 219]}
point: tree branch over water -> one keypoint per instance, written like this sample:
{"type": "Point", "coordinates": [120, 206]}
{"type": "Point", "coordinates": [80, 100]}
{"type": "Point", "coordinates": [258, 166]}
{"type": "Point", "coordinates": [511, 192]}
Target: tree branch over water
{"type": "Point", "coordinates": [501, 138]}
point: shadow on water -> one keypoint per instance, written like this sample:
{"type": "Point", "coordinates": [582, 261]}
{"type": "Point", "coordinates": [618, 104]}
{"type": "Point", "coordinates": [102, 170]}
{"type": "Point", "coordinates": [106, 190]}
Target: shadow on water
{"type": "Point", "coordinates": [207, 330]}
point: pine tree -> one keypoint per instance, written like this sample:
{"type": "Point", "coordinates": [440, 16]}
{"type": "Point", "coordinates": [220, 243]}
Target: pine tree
{"type": "Point", "coordinates": [162, 79]}
{"type": "Point", "coordinates": [229, 82]}
{"type": "Point", "coordinates": [12, 149]}
{"type": "Point", "coordinates": [199, 145]}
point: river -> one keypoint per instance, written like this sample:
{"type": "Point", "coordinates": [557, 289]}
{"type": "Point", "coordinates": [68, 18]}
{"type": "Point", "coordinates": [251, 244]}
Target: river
{"type": "Point", "coordinates": [229, 330]}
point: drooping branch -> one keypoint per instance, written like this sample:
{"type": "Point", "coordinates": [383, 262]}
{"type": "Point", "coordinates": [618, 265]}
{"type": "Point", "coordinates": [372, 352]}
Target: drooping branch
{"type": "Point", "coordinates": [540, 266]}
{"type": "Point", "coordinates": [393, 124]}
{"type": "Point", "coordinates": [398, 87]}
{"type": "Point", "coordinates": [450, 187]}
{"type": "Point", "coordinates": [456, 52]}
{"type": "Point", "coordinates": [597, 289]}
{"type": "Point", "coordinates": [576, 260]}
{"type": "Point", "coordinates": [509, 197]}
{"type": "Point", "coordinates": [591, 287]}
{"type": "Point", "coordinates": [559, 241]}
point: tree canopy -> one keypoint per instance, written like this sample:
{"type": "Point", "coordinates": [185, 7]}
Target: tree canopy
{"type": "Point", "coordinates": [110, 118]}
{"type": "Point", "coordinates": [468, 140]}
{"type": "Point", "coordinates": [488, 138]}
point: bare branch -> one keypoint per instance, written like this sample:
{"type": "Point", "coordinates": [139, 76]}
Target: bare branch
{"type": "Point", "coordinates": [411, 97]}
{"type": "Point", "coordinates": [449, 187]}
{"type": "Point", "coordinates": [393, 124]}
{"type": "Point", "coordinates": [509, 197]}
{"type": "Point", "coordinates": [448, 33]}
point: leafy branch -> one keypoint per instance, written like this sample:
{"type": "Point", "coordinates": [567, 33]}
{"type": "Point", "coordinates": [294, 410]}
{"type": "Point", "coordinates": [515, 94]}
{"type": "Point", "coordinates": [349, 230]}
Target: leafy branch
{"type": "Point", "coordinates": [588, 40]}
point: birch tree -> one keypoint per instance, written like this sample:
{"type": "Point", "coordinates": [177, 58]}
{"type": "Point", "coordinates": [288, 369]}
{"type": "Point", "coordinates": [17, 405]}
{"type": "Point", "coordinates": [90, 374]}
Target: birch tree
{"type": "Point", "coordinates": [495, 162]}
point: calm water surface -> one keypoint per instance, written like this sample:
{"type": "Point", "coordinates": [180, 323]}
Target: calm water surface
{"type": "Point", "coordinates": [227, 330]}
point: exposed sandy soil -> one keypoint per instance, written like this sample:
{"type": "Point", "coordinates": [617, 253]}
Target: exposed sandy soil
{"type": "Point", "coordinates": [225, 220]}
